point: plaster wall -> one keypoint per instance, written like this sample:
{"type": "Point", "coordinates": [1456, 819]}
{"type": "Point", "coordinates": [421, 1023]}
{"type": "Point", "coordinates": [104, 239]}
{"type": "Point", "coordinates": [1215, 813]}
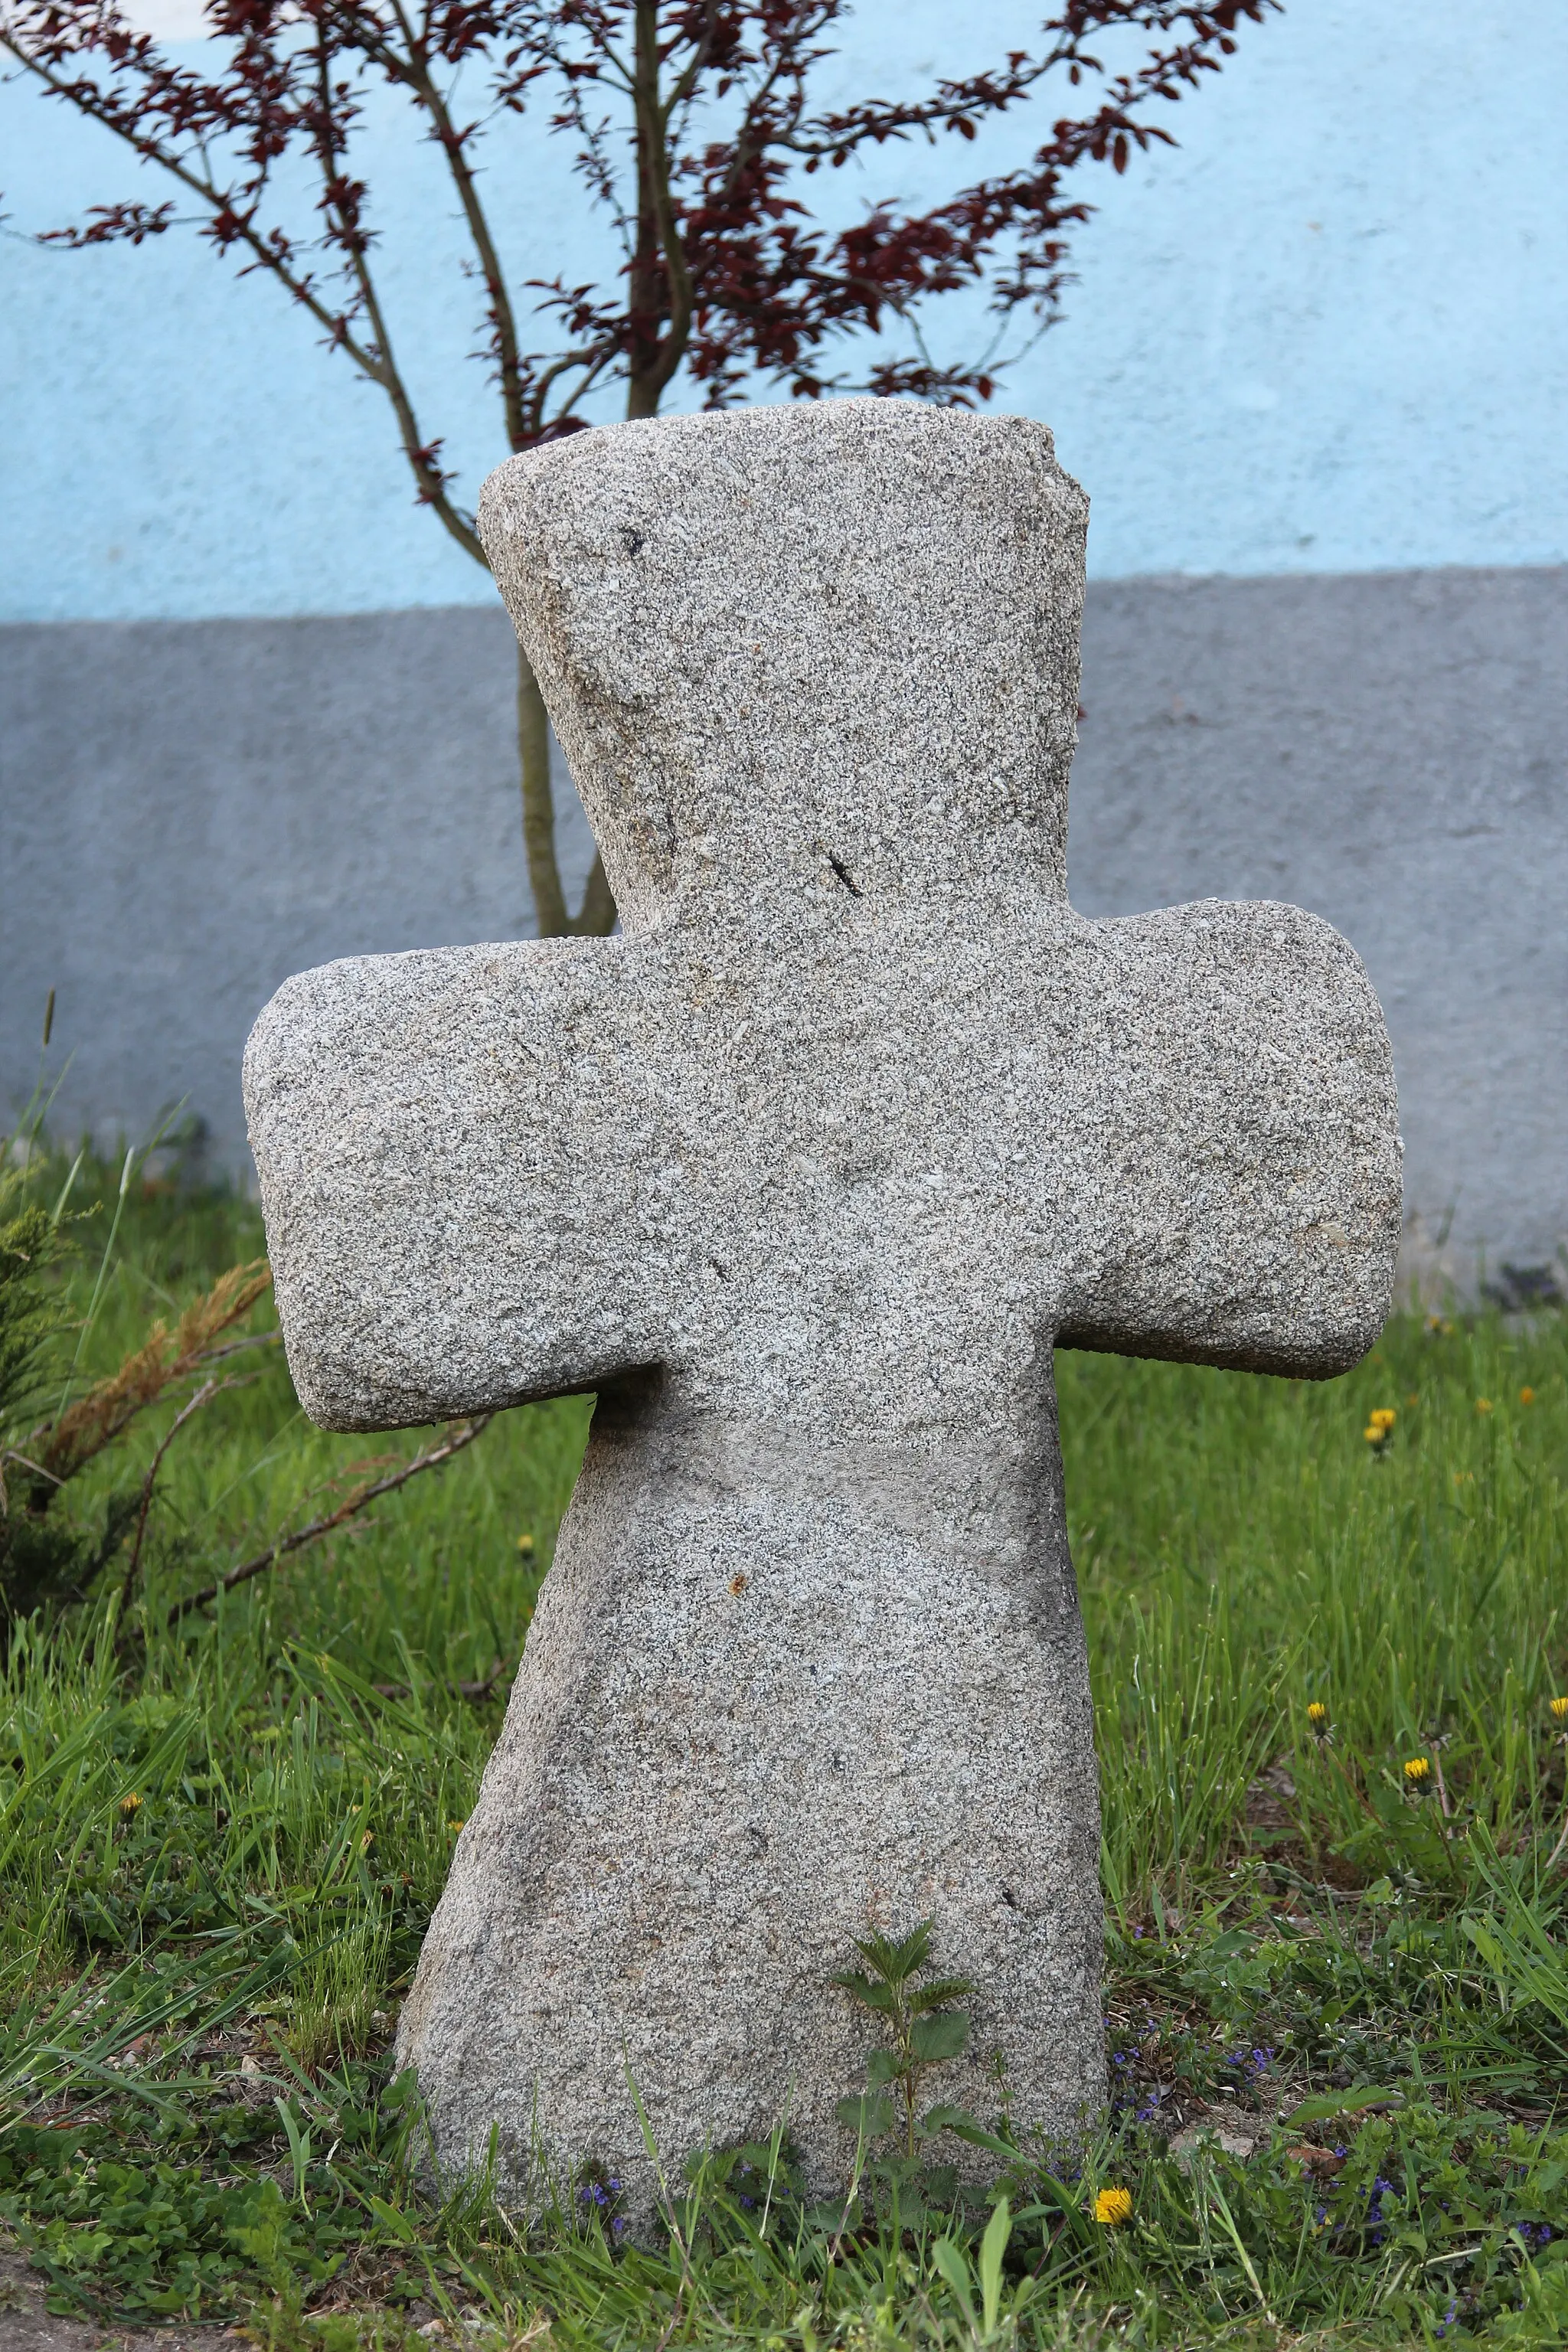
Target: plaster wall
{"type": "Point", "coordinates": [1326, 333]}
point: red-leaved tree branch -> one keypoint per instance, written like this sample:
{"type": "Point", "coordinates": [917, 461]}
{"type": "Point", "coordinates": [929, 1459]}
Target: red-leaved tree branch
{"type": "Point", "coordinates": [694, 130]}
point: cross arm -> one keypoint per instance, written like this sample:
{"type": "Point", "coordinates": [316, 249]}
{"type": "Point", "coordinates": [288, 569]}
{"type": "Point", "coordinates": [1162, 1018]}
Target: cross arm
{"type": "Point", "coordinates": [455, 1198]}
{"type": "Point", "coordinates": [1238, 1119]}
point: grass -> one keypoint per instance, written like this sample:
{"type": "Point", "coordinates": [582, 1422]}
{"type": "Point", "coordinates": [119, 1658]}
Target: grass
{"type": "Point", "coordinates": [221, 1840]}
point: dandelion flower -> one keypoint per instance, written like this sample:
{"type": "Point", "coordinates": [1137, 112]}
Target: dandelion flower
{"type": "Point", "coordinates": [525, 1546]}
{"type": "Point", "coordinates": [1318, 1716]}
{"type": "Point", "coordinates": [1417, 1773]}
{"type": "Point", "coordinates": [1483, 1404]}
{"type": "Point", "coordinates": [131, 1805]}
{"type": "Point", "coordinates": [1559, 1708]}
{"type": "Point", "coordinates": [1383, 1417]}
{"type": "Point", "coordinates": [1114, 2206]}
{"type": "Point", "coordinates": [456, 1826]}
{"type": "Point", "coordinates": [1527, 1396]}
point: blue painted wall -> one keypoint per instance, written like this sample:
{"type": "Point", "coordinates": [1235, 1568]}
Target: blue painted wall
{"type": "Point", "coordinates": [1329, 333]}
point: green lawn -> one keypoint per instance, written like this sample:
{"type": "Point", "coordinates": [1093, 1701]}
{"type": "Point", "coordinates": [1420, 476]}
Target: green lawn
{"type": "Point", "coordinates": [222, 1839]}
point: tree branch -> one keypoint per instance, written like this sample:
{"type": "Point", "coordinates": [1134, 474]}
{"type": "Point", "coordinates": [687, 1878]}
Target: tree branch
{"type": "Point", "coordinates": [414, 73]}
{"type": "Point", "coordinates": [237, 227]}
{"type": "Point", "coordinates": [335, 202]}
{"type": "Point", "coordinates": [90, 102]}
{"type": "Point", "coordinates": [646, 385]}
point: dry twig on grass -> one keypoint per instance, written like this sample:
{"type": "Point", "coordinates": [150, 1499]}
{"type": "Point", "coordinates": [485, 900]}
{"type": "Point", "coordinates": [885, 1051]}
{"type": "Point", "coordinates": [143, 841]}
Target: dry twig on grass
{"type": "Point", "coordinates": [204, 1395]}
{"type": "Point", "coordinates": [459, 1435]}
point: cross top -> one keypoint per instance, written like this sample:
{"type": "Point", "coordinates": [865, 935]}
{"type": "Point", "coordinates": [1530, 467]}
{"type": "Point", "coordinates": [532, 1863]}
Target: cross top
{"type": "Point", "coordinates": [771, 638]}
{"type": "Point", "coordinates": [806, 1174]}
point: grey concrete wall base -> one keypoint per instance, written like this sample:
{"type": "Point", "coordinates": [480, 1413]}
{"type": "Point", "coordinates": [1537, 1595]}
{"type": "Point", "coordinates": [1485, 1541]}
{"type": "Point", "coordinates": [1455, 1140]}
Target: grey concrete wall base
{"type": "Point", "coordinates": [1390, 749]}
{"type": "Point", "coordinates": [189, 812]}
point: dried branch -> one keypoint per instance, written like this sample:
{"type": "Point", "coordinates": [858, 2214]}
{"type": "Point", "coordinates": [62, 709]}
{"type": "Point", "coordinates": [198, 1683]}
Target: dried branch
{"type": "Point", "coordinates": [204, 1395]}
{"type": "Point", "coordinates": [58, 1449]}
{"type": "Point", "coordinates": [462, 1433]}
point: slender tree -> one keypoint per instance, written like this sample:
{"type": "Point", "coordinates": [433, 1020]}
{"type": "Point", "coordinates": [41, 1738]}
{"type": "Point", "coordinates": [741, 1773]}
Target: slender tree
{"type": "Point", "coordinates": [695, 131]}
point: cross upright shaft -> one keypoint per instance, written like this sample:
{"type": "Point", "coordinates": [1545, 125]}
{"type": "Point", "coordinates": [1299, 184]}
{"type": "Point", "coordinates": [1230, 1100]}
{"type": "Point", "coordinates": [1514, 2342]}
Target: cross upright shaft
{"type": "Point", "coordinates": [806, 1173]}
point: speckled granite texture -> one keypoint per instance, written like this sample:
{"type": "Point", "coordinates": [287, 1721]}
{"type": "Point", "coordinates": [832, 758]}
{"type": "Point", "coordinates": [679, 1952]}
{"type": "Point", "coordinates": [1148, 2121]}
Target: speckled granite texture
{"type": "Point", "coordinates": [805, 1173]}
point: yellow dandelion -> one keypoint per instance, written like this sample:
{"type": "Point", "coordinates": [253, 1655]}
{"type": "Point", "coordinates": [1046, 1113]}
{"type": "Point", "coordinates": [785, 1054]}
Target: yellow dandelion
{"type": "Point", "coordinates": [1417, 1773]}
{"type": "Point", "coordinates": [456, 1826]}
{"type": "Point", "coordinates": [1483, 1404]}
{"type": "Point", "coordinates": [525, 1546]}
{"type": "Point", "coordinates": [131, 1805]}
{"type": "Point", "coordinates": [1559, 1708]}
{"type": "Point", "coordinates": [1318, 1716]}
{"type": "Point", "coordinates": [1114, 2206]}
{"type": "Point", "coordinates": [1527, 1396]}
{"type": "Point", "coordinates": [1383, 1417]}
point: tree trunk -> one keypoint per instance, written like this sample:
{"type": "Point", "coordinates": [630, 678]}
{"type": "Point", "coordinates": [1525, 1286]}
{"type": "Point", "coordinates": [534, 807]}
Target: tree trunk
{"type": "Point", "coordinates": [597, 913]}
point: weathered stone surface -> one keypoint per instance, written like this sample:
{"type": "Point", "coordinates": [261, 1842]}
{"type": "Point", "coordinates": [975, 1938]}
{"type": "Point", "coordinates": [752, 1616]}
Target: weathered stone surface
{"type": "Point", "coordinates": [805, 1173]}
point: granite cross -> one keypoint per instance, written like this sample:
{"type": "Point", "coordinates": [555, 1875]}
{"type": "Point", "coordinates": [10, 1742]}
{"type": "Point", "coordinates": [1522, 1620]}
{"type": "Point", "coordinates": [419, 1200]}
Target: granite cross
{"type": "Point", "coordinates": [806, 1174]}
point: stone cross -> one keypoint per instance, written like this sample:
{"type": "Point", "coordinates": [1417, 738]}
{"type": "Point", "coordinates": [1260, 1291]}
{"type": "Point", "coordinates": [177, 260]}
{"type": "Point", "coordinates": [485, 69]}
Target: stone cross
{"type": "Point", "coordinates": [806, 1174]}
